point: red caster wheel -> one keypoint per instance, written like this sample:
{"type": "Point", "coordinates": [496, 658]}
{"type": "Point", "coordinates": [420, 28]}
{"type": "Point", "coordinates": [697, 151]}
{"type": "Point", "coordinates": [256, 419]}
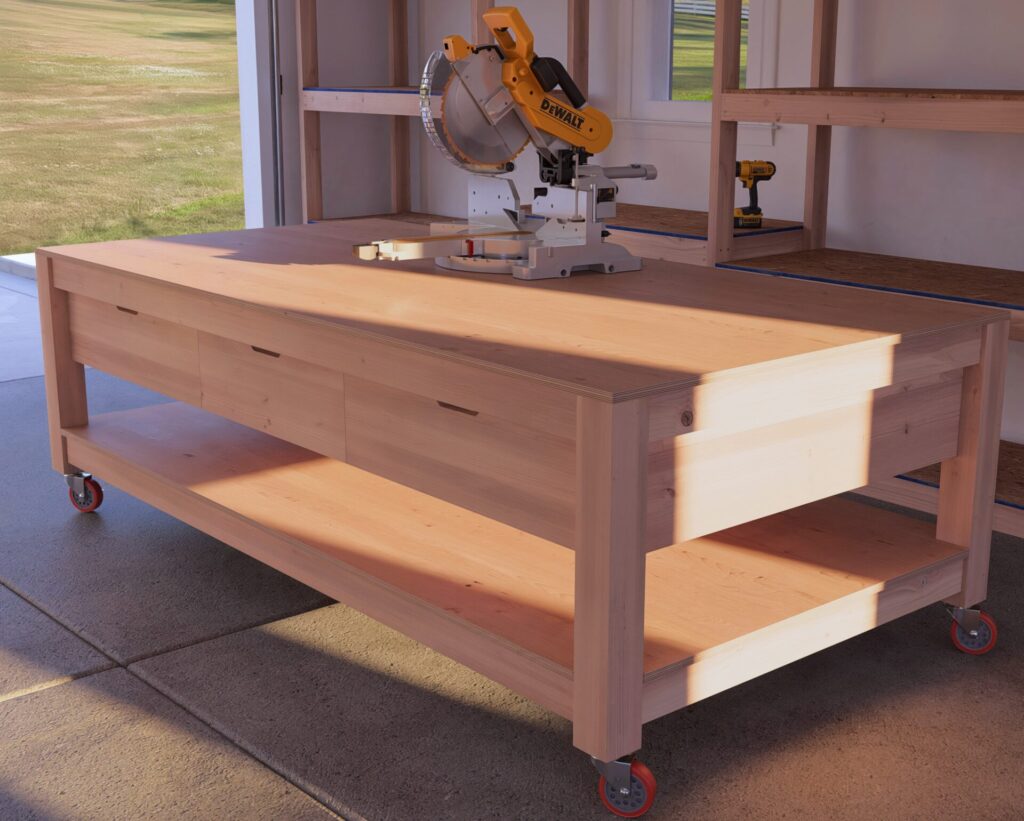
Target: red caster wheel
{"type": "Point", "coordinates": [90, 497]}
{"type": "Point", "coordinates": [642, 789]}
{"type": "Point", "coordinates": [978, 641]}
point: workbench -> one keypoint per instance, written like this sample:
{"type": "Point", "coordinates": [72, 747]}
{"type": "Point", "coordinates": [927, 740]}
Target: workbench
{"type": "Point", "coordinates": [615, 494]}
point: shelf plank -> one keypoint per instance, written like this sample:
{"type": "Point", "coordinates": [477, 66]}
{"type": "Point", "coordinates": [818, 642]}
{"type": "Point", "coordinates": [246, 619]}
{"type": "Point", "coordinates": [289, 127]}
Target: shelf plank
{"type": "Point", "coordinates": [990, 111]}
{"type": "Point", "coordinates": [1009, 481]}
{"type": "Point", "coordinates": [395, 100]}
{"type": "Point", "coordinates": [490, 596]}
{"type": "Point", "coordinates": [683, 223]}
{"type": "Point", "coordinates": [975, 284]}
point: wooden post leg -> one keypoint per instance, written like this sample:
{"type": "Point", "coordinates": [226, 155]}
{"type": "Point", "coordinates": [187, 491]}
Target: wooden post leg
{"type": "Point", "coordinates": [967, 482]}
{"type": "Point", "coordinates": [66, 404]}
{"type": "Point", "coordinates": [819, 137]}
{"type": "Point", "coordinates": [309, 121]}
{"type": "Point", "coordinates": [608, 649]}
{"type": "Point", "coordinates": [722, 187]}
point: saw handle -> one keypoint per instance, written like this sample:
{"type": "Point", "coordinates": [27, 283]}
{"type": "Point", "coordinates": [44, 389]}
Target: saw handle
{"type": "Point", "coordinates": [510, 31]}
{"type": "Point", "coordinates": [550, 73]}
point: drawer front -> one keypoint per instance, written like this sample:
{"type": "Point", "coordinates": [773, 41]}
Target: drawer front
{"type": "Point", "coordinates": [286, 397]}
{"type": "Point", "coordinates": [151, 352]}
{"type": "Point", "coordinates": [700, 484]}
{"type": "Point", "coordinates": [512, 472]}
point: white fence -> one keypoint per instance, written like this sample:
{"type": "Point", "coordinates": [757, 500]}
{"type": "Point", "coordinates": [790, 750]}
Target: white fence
{"type": "Point", "coordinates": [705, 8]}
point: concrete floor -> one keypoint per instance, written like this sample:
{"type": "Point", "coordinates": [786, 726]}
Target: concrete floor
{"type": "Point", "coordinates": [148, 671]}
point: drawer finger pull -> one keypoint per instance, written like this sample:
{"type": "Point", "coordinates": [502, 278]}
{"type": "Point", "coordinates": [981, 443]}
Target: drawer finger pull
{"type": "Point", "coordinates": [126, 310]}
{"type": "Point", "coordinates": [457, 408]}
{"type": "Point", "coordinates": [265, 352]}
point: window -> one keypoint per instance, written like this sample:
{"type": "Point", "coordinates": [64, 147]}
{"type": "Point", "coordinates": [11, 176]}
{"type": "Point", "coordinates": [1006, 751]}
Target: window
{"type": "Point", "coordinates": [693, 49]}
{"type": "Point", "coordinates": [667, 80]}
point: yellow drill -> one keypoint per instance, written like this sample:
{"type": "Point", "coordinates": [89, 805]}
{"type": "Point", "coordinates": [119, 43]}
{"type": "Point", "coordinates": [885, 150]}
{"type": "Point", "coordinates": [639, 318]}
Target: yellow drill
{"type": "Point", "coordinates": [750, 173]}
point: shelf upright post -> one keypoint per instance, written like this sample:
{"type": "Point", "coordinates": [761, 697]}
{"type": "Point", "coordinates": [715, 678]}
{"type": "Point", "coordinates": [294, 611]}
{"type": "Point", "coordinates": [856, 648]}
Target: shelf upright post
{"type": "Point", "coordinates": [608, 632]}
{"type": "Point", "coordinates": [309, 121]}
{"type": "Point", "coordinates": [578, 46]}
{"type": "Point", "coordinates": [819, 137]}
{"type": "Point", "coordinates": [967, 482]}
{"type": "Point", "coordinates": [725, 77]}
{"type": "Point", "coordinates": [481, 34]}
{"type": "Point", "coordinates": [399, 76]}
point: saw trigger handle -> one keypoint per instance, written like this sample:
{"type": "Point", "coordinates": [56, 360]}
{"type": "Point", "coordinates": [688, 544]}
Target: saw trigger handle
{"type": "Point", "coordinates": [550, 73]}
{"type": "Point", "coordinates": [510, 31]}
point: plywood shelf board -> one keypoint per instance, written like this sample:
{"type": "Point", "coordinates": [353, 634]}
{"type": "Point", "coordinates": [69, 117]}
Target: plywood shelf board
{"type": "Point", "coordinates": [700, 594]}
{"type": "Point", "coordinates": [1009, 480]}
{"type": "Point", "coordinates": [973, 284]}
{"type": "Point", "coordinates": [553, 331]}
{"type": "Point", "coordinates": [683, 223]}
{"type": "Point", "coordinates": [879, 91]}
{"type": "Point", "coordinates": [368, 89]}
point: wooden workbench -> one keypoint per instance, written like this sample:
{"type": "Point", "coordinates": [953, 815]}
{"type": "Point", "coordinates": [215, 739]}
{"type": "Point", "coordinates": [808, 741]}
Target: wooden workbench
{"type": "Point", "coordinates": [611, 493]}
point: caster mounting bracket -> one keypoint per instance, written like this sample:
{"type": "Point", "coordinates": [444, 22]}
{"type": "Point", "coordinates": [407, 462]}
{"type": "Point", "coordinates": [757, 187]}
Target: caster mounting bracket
{"type": "Point", "coordinates": [76, 481]}
{"type": "Point", "coordinates": [968, 618]}
{"type": "Point", "coordinates": [616, 773]}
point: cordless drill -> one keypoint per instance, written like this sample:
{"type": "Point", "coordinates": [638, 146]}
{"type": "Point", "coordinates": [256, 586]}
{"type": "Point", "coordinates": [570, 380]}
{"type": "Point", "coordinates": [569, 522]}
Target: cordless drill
{"type": "Point", "coordinates": [750, 173]}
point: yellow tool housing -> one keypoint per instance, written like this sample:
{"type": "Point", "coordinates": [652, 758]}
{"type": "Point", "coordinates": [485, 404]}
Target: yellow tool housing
{"type": "Point", "coordinates": [588, 128]}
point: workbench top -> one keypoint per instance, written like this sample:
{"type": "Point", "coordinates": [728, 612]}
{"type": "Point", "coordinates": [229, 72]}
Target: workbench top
{"type": "Point", "coordinates": [615, 336]}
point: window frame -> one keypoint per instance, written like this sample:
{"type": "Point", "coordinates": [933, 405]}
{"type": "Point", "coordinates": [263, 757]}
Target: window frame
{"type": "Point", "coordinates": [648, 68]}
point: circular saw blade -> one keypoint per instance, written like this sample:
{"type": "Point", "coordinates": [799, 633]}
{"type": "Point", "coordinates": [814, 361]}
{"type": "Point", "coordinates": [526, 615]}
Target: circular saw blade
{"type": "Point", "coordinates": [462, 132]}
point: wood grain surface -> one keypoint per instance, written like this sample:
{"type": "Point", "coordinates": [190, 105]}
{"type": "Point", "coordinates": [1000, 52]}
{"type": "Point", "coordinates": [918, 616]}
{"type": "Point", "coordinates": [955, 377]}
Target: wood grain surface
{"type": "Point", "coordinates": [614, 336]}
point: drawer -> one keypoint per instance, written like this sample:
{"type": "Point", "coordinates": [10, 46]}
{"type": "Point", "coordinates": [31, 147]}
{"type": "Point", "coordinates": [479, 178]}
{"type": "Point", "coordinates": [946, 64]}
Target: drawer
{"type": "Point", "coordinates": [286, 397]}
{"type": "Point", "coordinates": [513, 472]}
{"type": "Point", "coordinates": [701, 482]}
{"type": "Point", "coordinates": [151, 352]}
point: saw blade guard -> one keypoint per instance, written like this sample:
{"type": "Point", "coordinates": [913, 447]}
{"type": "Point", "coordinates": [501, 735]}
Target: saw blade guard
{"type": "Point", "coordinates": [440, 79]}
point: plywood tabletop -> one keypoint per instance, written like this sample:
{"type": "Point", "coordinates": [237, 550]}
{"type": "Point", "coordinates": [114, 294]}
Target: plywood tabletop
{"type": "Point", "coordinates": [613, 336]}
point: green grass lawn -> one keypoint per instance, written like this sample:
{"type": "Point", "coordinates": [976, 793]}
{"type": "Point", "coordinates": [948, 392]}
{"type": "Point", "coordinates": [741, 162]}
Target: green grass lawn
{"type": "Point", "coordinates": [693, 54]}
{"type": "Point", "coordinates": [119, 119]}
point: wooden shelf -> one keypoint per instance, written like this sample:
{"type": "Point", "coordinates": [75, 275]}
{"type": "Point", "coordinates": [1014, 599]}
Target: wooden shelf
{"type": "Point", "coordinates": [942, 280]}
{"type": "Point", "coordinates": [1010, 482]}
{"type": "Point", "coordinates": [683, 223]}
{"type": "Point", "coordinates": [501, 600]}
{"type": "Point", "coordinates": [394, 100]}
{"type": "Point", "coordinates": [995, 111]}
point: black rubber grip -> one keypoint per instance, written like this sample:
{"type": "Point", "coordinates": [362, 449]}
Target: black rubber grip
{"type": "Point", "coordinates": [550, 73]}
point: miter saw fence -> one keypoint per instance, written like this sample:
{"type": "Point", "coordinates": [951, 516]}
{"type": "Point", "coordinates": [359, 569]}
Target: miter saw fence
{"type": "Point", "coordinates": [494, 100]}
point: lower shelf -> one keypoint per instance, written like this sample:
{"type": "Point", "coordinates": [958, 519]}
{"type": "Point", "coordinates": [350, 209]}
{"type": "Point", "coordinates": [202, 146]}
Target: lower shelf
{"type": "Point", "coordinates": [719, 610]}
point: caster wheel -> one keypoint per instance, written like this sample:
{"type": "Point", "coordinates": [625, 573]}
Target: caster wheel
{"type": "Point", "coordinates": [983, 640]}
{"type": "Point", "coordinates": [642, 788]}
{"type": "Point", "coordinates": [91, 498]}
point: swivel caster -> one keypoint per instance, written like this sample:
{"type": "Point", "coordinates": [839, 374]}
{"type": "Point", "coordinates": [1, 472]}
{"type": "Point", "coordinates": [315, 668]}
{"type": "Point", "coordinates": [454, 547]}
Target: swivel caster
{"type": "Point", "coordinates": [84, 492]}
{"type": "Point", "coordinates": [973, 631]}
{"type": "Point", "coordinates": [626, 798]}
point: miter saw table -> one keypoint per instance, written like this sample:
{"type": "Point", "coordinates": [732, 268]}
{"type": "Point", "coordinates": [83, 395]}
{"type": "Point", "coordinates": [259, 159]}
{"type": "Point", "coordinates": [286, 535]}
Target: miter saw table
{"type": "Point", "coordinates": [615, 495]}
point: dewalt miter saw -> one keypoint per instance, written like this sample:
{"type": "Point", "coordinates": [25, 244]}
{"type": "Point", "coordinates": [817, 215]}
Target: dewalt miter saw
{"type": "Point", "coordinates": [495, 99]}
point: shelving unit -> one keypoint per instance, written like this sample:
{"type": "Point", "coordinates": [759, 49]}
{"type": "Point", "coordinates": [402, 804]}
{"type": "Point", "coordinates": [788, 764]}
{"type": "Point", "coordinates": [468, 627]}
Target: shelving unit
{"type": "Point", "coordinates": [395, 100]}
{"type": "Point", "coordinates": [821, 106]}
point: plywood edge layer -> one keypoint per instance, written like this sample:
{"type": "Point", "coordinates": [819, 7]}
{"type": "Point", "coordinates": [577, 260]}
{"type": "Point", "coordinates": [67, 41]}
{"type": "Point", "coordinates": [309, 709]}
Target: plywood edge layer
{"type": "Point", "coordinates": [493, 656]}
{"type": "Point", "coordinates": [782, 643]}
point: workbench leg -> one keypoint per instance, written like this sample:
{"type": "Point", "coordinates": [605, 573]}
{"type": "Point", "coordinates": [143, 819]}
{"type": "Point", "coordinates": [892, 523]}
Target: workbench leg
{"type": "Point", "coordinates": [967, 482]}
{"type": "Point", "coordinates": [608, 651]}
{"type": "Point", "coordinates": [66, 403]}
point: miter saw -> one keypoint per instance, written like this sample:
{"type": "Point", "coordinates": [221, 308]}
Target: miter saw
{"type": "Point", "coordinates": [495, 99]}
